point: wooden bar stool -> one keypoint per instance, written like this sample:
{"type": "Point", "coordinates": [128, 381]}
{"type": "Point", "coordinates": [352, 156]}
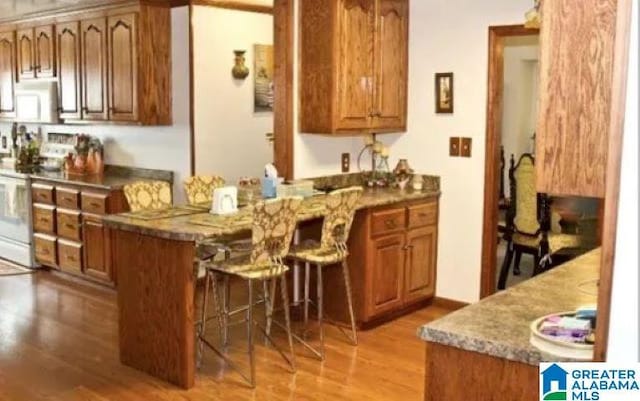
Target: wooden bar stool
{"type": "Point", "coordinates": [274, 222]}
{"type": "Point", "coordinates": [332, 249]}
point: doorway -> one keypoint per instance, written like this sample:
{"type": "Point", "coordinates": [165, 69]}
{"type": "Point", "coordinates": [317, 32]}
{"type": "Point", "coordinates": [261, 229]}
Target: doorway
{"type": "Point", "coordinates": [239, 124]}
{"type": "Point", "coordinates": [514, 225]}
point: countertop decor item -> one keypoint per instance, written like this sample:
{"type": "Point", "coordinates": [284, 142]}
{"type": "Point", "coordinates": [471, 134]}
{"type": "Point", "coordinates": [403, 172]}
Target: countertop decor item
{"type": "Point", "coordinates": [240, 70]}
{"type": "Point", "coordinates": [559, 345]}
{"type": "Point", "coordinates": [225, 200]}
{"type": "Point", "coordinates": [532, 17]}
{"type": "Point", "coordinates": [87, 157]}
{"type": "Point", "coordinates": [444, 93]}
{"type": "Point", "coordinates": [379, 175]}
{"type": "Point", "coordinates": [402, 173]}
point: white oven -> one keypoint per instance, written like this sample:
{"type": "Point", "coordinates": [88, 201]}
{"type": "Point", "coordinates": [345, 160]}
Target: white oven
{"type": "Point", "coordinates": [15, 218]}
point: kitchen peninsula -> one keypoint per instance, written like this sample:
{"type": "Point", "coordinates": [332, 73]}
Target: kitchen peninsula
{"type": "Point", "coordinates": [156, 263]}
{"type": "Point", "coordinates": [483, 349]}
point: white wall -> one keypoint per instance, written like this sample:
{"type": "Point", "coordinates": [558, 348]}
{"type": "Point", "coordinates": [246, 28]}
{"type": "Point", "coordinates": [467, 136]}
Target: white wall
{"type": "Point", "coordinates": [444, 36]}
{"type": "Point", "coordinates": [165, 148]}
{"type": "Point", "coordinates": [623, 327]}
{"type": "Point", "coordinates": [520, 94]}
{"type": "Point", "coordinates": [229, 136]}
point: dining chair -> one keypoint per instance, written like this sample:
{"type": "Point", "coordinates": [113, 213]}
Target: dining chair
{"type": "Point", "coordinates": [331, 250]}
{"type": "Point", "coordinates": [274, 223]}
{"type": "Point", "coordinates": [531, 226]}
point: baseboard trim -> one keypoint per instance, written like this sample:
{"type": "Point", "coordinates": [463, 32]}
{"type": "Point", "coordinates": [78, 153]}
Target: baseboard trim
{"type": "Point", "coordinates": [447, 303]}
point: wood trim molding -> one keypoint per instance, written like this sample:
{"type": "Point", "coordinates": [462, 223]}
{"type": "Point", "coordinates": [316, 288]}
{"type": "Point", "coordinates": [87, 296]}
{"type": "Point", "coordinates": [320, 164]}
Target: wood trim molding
{"type": "Point", "coordinates": [234, 5]}
{"type": "Point", "coordinates": [284, 25]}
{"type": "Point", "coordinates": [492, 155]}
{"type": "Point", "coordinates": [450, 304]}
{"type": "Point", "coordinates": [616, 131]}
{"type": "Point", "coordinates": [192, 101]}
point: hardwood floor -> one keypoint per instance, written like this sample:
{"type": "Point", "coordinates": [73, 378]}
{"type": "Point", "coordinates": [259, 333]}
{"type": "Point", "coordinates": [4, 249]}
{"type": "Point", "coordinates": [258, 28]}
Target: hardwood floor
{"type": "Point", "coordinates": [58, 341]}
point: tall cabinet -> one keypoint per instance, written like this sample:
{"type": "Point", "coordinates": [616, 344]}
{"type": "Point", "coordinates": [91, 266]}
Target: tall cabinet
{"type": "Point", "coordinates": [353, 66]}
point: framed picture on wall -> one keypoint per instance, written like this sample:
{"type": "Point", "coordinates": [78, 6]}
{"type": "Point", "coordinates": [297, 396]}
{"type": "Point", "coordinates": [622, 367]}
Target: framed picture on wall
{"type": "Point", "coordinates": [444, 92]}
{"type": "Point", "coordinates": [263, 78]}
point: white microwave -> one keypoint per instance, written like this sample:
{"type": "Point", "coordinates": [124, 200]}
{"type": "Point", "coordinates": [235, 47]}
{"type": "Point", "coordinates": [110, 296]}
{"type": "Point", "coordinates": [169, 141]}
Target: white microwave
{"type": "Point", "coordinates": [37, 102]}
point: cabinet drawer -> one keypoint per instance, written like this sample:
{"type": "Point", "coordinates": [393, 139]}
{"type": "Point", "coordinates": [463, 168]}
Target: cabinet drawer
{"type": "Point", "coordinates": [94, 202]}
{"type": "Point", "coordinates": [45, 249]}
{"type": "Point", "coordinates": [423, 215]}
{"type": "Point", "coordinates": [387, 221]}
{"type": "Point", "coordinates": [67, 198]}
{"type": "Point", "coordinates": [68, 224]}
{"type": "Point", "coordinates": [70, 256]}
{"type": "Point", "coordinates": [42, 193]}
{"type": "Point", "coordinates": [44, 219]}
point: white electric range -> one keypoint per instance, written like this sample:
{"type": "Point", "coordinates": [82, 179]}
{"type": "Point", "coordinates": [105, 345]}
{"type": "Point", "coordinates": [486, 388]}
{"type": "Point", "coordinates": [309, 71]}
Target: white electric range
{"type": "Point", "coordinates": [16, 232]}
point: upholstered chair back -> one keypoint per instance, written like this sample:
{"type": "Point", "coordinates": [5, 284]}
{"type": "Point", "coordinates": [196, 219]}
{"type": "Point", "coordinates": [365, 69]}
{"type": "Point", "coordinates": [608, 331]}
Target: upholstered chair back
{"type": "Point", "coordinates": [341, 207]}
{"type": "Point", "coordinates": [200, 188]}
{"type": "Point", "coordinates": [148, 195]}
{"type": "Point", "coordinates": [274, 222]}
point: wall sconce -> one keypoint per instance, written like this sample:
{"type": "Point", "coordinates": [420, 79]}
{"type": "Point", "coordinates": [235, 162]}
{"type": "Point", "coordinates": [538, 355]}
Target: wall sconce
{"type": "Point", "coordinates": [240, 70]}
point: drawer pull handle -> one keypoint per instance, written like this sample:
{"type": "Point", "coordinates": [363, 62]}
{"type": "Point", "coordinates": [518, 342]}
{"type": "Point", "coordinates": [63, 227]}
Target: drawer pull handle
{"type": "Point", "coordinates": [390, 223]}
{"type": "Point", "coordinates": [44, 251]}
{"type": "Point", "coordinates": [95, 204]}
{"type": "Point", "coordinates": [423, 215]}
{"type": "Point", "coordinates": [70, 226]}
{"type": "Point", "coordinates": [71, 258]}
{"type": "Point", "coordinates": [44, 219]}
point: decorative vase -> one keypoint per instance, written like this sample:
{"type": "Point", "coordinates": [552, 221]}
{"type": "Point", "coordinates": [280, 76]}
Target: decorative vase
{"type": "Point", "coordinates": [240, 71]}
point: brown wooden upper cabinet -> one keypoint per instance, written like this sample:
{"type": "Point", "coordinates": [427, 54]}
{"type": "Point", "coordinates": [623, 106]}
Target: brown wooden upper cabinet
{"type": "Point", "coordinates": [94, 69]}
{"type": "Point", "coordinates": [7, 74]}
{"type": "Point", "coordinates": [36, 52]}
{"type": "Point", "coordinates": [68, 65]}
{"type": "Point", "coordinates": [576, 67]}
{"type": "Point", "coordinates": [354, 66]}
{"type": "Point", "coordinates": [123, 68]}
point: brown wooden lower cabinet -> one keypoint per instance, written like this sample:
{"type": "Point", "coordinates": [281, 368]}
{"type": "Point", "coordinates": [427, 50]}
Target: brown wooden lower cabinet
{"type": "Point", "coordinates": [96, 252]}
{"type": "Point", "coordinates": [69, 234]}
{"type": "Point", "coordinates": [392, 260]}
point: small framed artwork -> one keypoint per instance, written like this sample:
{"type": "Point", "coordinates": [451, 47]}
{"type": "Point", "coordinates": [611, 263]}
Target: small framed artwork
{"type": "Point", "coordinates": [263, 78]}
{"type": "Point", "coordinates": [444, 92]}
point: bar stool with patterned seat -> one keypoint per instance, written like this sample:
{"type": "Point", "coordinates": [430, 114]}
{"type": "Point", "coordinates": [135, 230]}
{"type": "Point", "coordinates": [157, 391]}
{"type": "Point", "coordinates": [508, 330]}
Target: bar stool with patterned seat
{"type": "Point", "coordinates": [274, 222]}
{"type": "Point", "coordinates": [331, 250]}
{"type": "Point", "coordinates": [148, 195]}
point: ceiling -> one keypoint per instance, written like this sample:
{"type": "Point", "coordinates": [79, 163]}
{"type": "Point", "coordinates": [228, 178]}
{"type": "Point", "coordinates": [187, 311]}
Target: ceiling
{"type": "Point", "coordinates": [10, 9]}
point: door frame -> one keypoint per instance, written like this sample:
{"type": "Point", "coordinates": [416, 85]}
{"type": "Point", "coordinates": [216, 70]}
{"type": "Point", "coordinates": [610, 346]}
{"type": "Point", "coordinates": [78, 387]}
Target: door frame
{"type": "Point", "coordinates": [283, 44]}
{"type": "Point", "coordinates": [497, 35]}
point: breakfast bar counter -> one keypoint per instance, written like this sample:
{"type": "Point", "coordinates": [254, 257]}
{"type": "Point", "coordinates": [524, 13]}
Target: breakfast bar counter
{"type": "Point", "coordinates": [155, 260]}
{"type": "Point", "coordinates": [488, 342]}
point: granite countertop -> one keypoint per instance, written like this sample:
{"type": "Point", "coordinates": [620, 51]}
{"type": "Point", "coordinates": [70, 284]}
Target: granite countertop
{"type": "Point", "coordinates": [499, 325]}
{"type": "Point", "coordinates": [199, 225]}
{"type": "Point", "coordinates": [114, 177]}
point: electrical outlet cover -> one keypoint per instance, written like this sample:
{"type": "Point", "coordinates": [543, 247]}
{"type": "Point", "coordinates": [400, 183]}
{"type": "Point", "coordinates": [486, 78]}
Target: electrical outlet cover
{"type": "Point", "coordinates": [346, 162]}
{"type": "Point", "coordinates": [454, 146]}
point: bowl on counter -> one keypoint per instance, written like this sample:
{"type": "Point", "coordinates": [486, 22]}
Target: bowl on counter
{"type": "Point", "coordinates": [553, 349]}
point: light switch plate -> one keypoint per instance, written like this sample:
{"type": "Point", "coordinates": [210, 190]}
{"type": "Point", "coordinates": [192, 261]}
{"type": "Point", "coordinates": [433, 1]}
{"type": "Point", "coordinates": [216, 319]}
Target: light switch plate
{"type": "Point", "coordinates": [454, 146]}
{"type": "Point", "coordinates": [346, 162]}
{"type": "Point", "coordinates": [465, 147]}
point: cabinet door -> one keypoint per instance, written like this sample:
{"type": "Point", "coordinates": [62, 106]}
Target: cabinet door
{"type": "Point", "coordinates": [577, 52]}
{"type": "Point", "coordinates": [355, 64]}
{"type": "Point", "coordinates": [392, 23]}
{"type": "Point", "coordinates": [26, 54]}
{"type": "Point", "coordinates": [94, 69]}
{"type": "Point", "coordinates": [420, 271]}
{"type": "Point", "coordinates": [68, 65]}
{"type": "Point", "coordinates": [388, 258]}
{"type": "Point", "coordinates": [95, 245]}
{"type": "Point", "coordinates": [44, 52]}
{"type": "Point", "coordinates": [123, 68]}
{"type": "Point", "coordinates": [7, 74]}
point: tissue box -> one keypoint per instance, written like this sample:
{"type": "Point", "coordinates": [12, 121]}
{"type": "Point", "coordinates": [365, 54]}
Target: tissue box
{"type": "Point", "coordinates": [269, 185]}
{"type": "Point", "coordinates": [303, 188]}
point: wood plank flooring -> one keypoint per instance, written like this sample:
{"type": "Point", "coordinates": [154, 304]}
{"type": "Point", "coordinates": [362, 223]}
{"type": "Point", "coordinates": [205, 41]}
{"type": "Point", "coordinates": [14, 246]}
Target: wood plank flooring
{"type": "Point", "coordinates": [58, 341]}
